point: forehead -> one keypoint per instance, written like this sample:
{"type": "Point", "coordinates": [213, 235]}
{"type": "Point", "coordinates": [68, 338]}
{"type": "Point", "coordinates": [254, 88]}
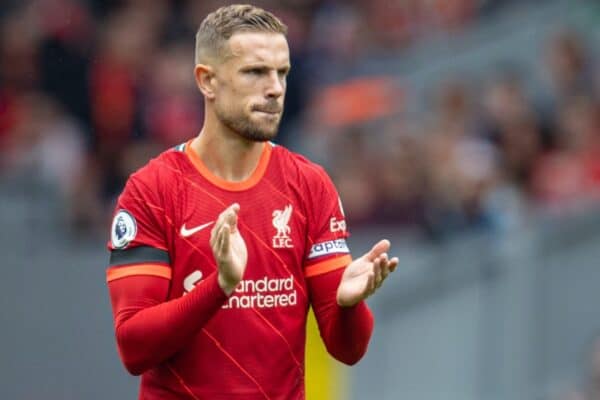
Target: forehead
{"type": "Point", "coordinates": [259, 47]}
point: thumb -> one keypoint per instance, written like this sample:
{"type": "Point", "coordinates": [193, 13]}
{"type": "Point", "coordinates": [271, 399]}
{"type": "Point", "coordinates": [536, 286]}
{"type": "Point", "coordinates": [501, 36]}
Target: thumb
{"type": "Point", "coordinates": [231, 216]}
{"type": "Point", "coordinates": [381, 247]}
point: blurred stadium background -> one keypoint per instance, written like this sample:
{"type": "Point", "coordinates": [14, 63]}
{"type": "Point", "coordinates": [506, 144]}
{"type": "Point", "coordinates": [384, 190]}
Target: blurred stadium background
{"type": "Point", "coordinates": [467, 131]}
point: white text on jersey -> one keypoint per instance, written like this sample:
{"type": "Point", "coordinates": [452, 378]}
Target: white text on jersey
{"type": "Point", "coordinates": [330, 247]}
{"type": "Point", "coordinates": [263, 293]}
{"type": "Point", "coordinates": [337, 226]}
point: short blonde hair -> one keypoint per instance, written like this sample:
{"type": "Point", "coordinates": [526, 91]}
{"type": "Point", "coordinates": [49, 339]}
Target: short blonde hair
{"type": "Point", "coordinates": [222, 24]}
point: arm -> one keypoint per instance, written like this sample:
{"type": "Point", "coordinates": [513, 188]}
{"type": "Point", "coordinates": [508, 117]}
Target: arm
{"type": "Point", "coordinates": [344, 320]}
{"type": "Point", "coordinates": [345, 330]}
{"type": "Point", "coordinates": [337, 294]}
{"type": "Point", "coordinates": [149, 329]}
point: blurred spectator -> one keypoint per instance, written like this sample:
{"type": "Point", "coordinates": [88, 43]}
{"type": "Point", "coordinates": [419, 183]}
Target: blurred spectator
{"type": "Point", "coordinates": [116, 80]}
{"type": "Point", "coordinates": [462, 165]}
{"type": "Point", "coordinates": [571, 171]}
{"type": "Point", "coordinates": [48, 144]}
{"type": "Point", "coordinates": [400, 180]}
{"type": "Point", "coordinates": [172, 108]}
{"type": "Point", "coordinates": [336, 33]}
{"type": "Point", "coordinates": [65, 53]}
{"type": "Point", "coordinates": [19, 71]}
{"type": "Point", "coordinates": [354, 178]}
{"type": "Point", "coordinates": [569, 64]}
{"type": "Point", "coordinates": [511, 123]}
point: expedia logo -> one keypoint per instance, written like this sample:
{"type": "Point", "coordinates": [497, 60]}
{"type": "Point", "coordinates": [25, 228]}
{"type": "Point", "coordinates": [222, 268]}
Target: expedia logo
{"type": "Point", "coordinates": [329, 247]}
{"type": "Point", "coordinates": [337, 225]}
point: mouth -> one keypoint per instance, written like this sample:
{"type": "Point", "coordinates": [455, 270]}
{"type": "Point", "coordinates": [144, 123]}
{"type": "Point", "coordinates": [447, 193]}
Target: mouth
{"type": "Point", "coordinates": [271, 109]}
{"type": "Point", "coordinates": [270, 112]}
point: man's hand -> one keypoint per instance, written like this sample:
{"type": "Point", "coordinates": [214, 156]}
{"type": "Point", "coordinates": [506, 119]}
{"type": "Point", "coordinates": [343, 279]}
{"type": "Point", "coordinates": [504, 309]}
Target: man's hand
{"type": "Point", "coordinates": [365, 275]}
{"type": "Point", "coordinates": [229, 249]}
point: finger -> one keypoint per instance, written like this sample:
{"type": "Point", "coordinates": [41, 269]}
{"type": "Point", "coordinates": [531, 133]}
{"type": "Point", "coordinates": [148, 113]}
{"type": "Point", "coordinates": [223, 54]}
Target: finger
{"type": "Point", "coordinates": [229, 215]}
{"type": "Point", "coordinates": [384, 258]}
{"type": "Point", "coordinates": [393, 264]}
{"type": "Point", "coordinates": [225, 240]}
{"type": "Point", "coordinates": [221, 216]}
{"type": "Point", "coordinates": [381, 247]}
{"type": "Point", "coordinates": [214, 233]}
{"type": "Point", "coordinates": [370, 284]}
{"type": "Point", "coordinates": [385, 270]}
{"type": "Point", "coordinates": [373, 284]}
{"type": "Point", "coordinates": [218, 244]}
{"type": "Point", "coordinates": [377, 271]}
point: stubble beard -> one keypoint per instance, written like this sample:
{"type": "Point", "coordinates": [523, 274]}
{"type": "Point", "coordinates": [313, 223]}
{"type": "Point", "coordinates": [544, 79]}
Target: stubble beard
{"type": "Point", "coordinates": [246, 128]}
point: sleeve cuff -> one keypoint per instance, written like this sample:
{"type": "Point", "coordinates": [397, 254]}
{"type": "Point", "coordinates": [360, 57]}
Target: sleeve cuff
{"type": "Point", "coordinates": [161, 271]}
{"type": "Point", "coordinates": [212, 285]}
{"type": "Point", "coordinates": [327, 265]}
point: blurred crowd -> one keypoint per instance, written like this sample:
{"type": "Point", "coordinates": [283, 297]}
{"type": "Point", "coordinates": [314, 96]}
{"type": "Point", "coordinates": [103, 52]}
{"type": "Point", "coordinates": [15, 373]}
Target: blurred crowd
{"type": "Point", "coordinates": [482, 154]}
{"type": "Point", "coordinates": [90, 90]}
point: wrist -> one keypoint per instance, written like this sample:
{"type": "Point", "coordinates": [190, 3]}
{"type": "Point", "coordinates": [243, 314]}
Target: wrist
{"type": "Point", "coordinates": [344, 303]}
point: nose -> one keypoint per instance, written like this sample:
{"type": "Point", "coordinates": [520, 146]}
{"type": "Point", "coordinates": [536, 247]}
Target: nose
{"type": "Point", "coordinates": [275, 86]}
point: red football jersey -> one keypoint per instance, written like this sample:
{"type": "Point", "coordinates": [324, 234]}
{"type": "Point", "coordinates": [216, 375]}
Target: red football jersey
{"type": "Point", "coordinates": [293, 224]}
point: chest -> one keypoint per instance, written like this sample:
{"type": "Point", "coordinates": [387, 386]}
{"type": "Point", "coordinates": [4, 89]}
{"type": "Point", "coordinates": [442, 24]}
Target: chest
{"type": "Point", "coordinates": [271, 223]}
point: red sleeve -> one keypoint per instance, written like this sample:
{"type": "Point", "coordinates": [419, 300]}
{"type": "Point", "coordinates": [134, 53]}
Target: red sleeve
{"type": "Point", "coordinates": [141, 214]}
{"type": "Point", "coordinates": [138, 242]}
{"type": "Point", "coordinates": [345, 330]}
{"type": "Point", "coordinates": [327, 232]}
{"type": "Point", "coordinates": [149, 329]}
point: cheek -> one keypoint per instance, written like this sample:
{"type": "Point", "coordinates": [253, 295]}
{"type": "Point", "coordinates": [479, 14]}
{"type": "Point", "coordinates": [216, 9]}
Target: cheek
{"type": "Point", "coordinates": [235, 106]}
{"type": "Point", "coordinates": [236, 96]}
{"type": "Point", "coordinates": [229, 97]}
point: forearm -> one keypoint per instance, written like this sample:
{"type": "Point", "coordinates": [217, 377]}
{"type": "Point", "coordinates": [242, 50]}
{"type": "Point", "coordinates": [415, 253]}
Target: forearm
{"type": "Point", "coordinates": [346, 331]}
{"type": "Point", "coordinates": [148, 332]}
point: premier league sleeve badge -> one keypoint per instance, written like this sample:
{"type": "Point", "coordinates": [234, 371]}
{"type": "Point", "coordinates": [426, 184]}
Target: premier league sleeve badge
{"type": "Point", "coordinates": [123, 230]}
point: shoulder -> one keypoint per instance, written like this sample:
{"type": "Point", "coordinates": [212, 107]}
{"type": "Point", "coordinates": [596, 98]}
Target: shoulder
{"type": "Point", "coordinates": [158, 172]}
{"type": "Point", "coordinates": [301, 167]}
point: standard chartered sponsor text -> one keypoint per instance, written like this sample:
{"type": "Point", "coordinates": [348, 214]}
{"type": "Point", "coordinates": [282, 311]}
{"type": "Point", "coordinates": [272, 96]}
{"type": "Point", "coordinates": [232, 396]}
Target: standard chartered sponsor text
{"type": "Point", "coordinates": [263, 293]}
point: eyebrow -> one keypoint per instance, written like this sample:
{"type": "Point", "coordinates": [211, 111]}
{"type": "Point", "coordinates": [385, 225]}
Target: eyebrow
{"type": "Point", "coordinates": [264, 65]}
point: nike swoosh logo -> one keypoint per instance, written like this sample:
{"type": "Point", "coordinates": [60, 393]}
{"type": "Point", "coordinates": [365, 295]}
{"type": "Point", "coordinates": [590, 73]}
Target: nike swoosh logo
{"type": "Point", "coordinates": [189, 232]}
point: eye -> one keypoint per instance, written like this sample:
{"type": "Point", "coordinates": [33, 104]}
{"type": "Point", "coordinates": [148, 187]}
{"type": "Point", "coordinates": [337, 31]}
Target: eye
{"type": "Point", "coordinates": [255, 71]}
{"type": "Point", "coordinates": [283, 72]}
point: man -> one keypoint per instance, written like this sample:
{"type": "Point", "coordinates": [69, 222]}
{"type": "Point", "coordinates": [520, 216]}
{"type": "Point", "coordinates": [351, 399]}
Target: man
{"type": "Point", "coordinates": [220, 245]}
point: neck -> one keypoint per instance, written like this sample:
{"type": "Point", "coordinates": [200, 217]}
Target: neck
{"type": "Point", "coordinates": [225, 153]}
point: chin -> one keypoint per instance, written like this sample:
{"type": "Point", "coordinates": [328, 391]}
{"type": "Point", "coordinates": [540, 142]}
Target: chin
{"type": "Point", "coordinates": [258, 135]}
{"type": "Point", "coordinates": [262, 132]}
{"type": "Point", "coordinates": [252, 129]}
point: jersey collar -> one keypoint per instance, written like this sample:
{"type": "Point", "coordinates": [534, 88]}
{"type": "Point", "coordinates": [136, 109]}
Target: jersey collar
{"type": "Point", "coordinates": [252, 180]}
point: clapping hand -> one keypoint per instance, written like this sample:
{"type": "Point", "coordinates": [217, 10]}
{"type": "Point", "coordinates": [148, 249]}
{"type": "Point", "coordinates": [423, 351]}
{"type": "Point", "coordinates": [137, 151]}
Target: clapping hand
{"type": "Point", "coordinates": [365, 275]}
{"type": "Point", "coordinates": [229, 249]}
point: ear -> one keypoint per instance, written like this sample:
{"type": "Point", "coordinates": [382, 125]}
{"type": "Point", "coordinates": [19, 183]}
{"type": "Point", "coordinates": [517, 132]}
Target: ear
{"type": "Point", "coordinates": [205, 80]}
